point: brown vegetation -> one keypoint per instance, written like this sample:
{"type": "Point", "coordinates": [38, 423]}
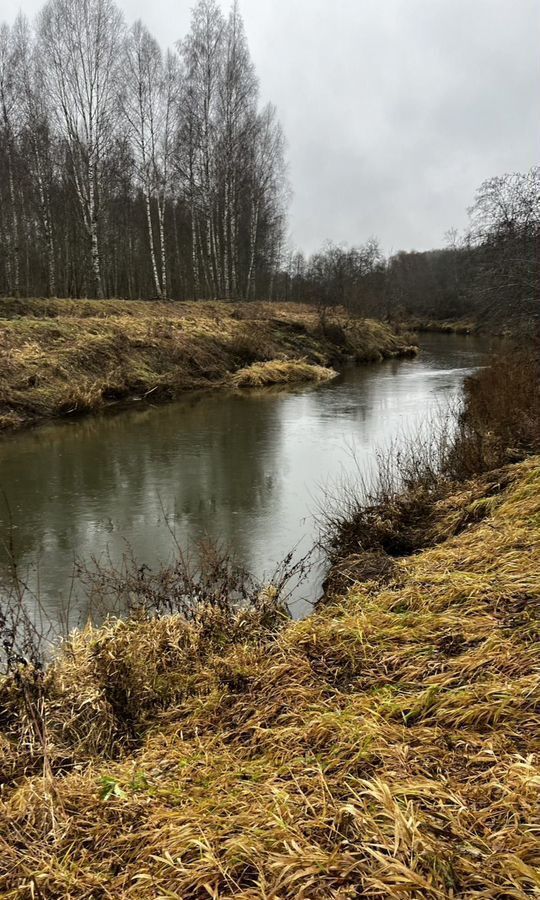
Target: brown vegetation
{"type": "Point", "coordinates": [279, 371]}
{"type": "Point", "coordinates": [65, 357]}
{"type": "Point", "coordinates": [443, 326]}
{"type": "Point", "coordinates": [385, 745]}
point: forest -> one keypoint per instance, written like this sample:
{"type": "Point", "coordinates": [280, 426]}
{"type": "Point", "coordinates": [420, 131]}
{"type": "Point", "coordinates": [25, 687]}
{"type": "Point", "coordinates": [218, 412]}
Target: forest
{"type": "Point", "coordinates": [489, 274]}
{"type": "Point", "coordinates": [132, 172]}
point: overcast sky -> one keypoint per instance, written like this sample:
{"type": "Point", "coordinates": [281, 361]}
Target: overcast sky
{"type": "Point", "coordinates": [394, 110]}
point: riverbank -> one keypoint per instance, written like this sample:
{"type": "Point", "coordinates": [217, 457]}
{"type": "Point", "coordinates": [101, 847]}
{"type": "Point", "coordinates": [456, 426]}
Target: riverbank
{"type": "Point", "coordinates": [439, 326]}
{"type": "Point", "coordinates": [70, 357]}
{"type": "Point", "coordinates": [386, 744]}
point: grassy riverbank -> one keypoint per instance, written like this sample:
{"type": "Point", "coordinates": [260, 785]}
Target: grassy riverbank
{"type": "Point", "coordinates": [66, 357]}
{"type": "Point", "coordinates": [387, 744]}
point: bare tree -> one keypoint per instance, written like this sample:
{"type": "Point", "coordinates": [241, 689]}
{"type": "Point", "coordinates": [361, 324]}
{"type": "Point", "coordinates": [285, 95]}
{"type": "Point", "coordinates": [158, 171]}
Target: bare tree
{"type": "Point", "coordinates": [505, 231]}
{"type": "Point", "coordinates": [237, 124]}
{"type": "Point", "coordinates": [36, 122]}
{"type": "Point", "coordinates": [149, 103]}
{"type": "Point", "coordinates": [129, 170]}
{"type": "Point", "coordinates": [10, 123]}
{"type": "Point", "coordinates": [267, 193]}
{"type": "Point", "coordinates": [144, 64]}
{"type": "Point", "coordinates": [80, 41]}
{"type": "Point", "coordinates": [202, 56]}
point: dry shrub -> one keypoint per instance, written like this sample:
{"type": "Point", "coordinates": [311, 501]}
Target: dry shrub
{"type": "Point", "coordinates": [112, 681]}
{"type": "Point", "coordinates": [399, 512]}
{"type": "Point", "coordinates": [390, 512]}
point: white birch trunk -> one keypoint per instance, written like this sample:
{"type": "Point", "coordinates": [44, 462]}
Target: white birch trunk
{"type": "Point", "coordinates": [252, 247]}
{"type": "Point", "coordinates": [195, 253]}
{"type": "Point", "coordinates": [15, 231]}
{"type": "Point", "coordinates": [163, 249]}
{"type": "Point", "coordinates": [151, 242]}
{"type": "Point", "coordinates": [234, 246]}
{"type": "Point", "coordinates": [94, 238]}
{"type": "Point", "coordinates": [47, 228]}
{"type": "Point", "coordinates": [209, 253]}
{"type": "Point", "coordinates": [226, 239]}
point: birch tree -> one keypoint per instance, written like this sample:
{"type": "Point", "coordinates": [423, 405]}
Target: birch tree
{"type": "Point", "coordinates": [140, 101]}
{"type": "Point", "coordinates": [149, 103]}
{"type": "Point", "coordinates": [9, 126]}
{"type": "Point", "coordinates": [36, 123]}
{"type": "Point", "coordinates": [129, 170]}
{"type": "Point", "coordinates": [202, 57]}
{"type": "Point", "coordinates": [266, 193]}
{"type": "Point", "coordinates": [237, 125]}
{"type": "Point", "coordinates": [80, 40]}
{"type": "Point", "coordinates": [167, 127]}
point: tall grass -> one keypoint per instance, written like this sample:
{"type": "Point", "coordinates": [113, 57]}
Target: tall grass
{"type": "Point", "coordinates": [280, 371]}
{"type": "Point", "coordinates": [384, 747]}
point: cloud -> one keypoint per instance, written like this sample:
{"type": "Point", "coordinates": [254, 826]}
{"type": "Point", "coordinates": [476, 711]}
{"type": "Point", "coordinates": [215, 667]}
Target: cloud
{"type": "Point", "coordinates": [394, 110]}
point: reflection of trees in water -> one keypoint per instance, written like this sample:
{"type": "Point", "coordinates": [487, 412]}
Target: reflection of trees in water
{"type": "Point", "coordinates": [208, 462]}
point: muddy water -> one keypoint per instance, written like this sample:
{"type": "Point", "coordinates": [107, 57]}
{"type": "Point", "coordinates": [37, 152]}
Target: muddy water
{"type": "Point", "coordinates": [246, 470]}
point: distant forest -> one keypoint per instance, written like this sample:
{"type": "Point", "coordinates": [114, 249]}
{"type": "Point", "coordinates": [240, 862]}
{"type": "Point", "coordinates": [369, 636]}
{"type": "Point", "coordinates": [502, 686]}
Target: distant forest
{"type": "Point", "coordinates": [490, 272]}
{"type": "Point", "coordinates": [127, 171]}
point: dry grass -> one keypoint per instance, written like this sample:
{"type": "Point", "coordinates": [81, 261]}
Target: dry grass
{"type": "Point", "coordinates": [387, 746]}
{"type": "Point", "coordinates": [280, 371]}
{"type": "Point", "coordinates": [440, 326]}
{"type": "Point", "coordinates": [65, 357]}
{"type": "Point", "coordinates": [501, 415]}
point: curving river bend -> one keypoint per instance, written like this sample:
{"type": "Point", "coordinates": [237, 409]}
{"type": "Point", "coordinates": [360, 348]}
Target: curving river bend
{"type": "Point", "coordinates": [248, 471]}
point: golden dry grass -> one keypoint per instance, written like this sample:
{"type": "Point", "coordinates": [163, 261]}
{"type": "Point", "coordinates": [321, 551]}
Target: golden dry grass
{"type": "Point", "coordinates": [387, 746]}
{"type": "Point", "coordinates": [280, 371]}
{"type": "Point", "coordinates": [63, 357]}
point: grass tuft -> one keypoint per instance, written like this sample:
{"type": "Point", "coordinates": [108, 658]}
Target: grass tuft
{"type": "Point", "coordinates": [279, 371]}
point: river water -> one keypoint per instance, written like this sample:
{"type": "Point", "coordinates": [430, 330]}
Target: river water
{"type": "Point", "coordinates": [247, 470]}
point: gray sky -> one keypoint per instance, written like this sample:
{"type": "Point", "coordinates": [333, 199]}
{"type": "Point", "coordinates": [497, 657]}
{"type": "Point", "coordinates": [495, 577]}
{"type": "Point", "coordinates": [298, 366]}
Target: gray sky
{"type": "Point", "coordinates": [394, 110]}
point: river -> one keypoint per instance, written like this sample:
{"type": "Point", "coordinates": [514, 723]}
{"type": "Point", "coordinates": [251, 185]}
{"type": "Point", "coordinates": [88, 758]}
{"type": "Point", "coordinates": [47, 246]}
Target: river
{"type": "Point", "coordinates": [246, 470]}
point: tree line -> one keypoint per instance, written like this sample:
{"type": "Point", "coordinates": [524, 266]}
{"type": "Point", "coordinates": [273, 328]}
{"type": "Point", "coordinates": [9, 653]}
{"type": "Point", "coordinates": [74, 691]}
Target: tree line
{"type": "Point", "coordinates": [492, 270]}
{"type": "Point", "coordinates": [133, 172]}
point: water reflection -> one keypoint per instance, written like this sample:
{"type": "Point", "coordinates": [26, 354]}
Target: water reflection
{"type": "Point", "coordinates": [245, 470]}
